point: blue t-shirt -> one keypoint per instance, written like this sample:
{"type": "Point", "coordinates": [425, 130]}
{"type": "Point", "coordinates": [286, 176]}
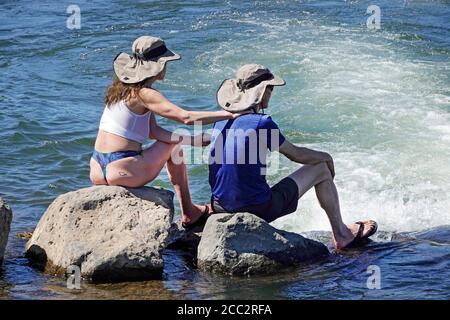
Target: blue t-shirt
{"type": "Point", "coordinates": [238, 160]}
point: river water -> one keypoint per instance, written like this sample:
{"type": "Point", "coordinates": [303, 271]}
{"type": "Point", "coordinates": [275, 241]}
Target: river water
{"type": "Point", "coordinates": [378, 101]}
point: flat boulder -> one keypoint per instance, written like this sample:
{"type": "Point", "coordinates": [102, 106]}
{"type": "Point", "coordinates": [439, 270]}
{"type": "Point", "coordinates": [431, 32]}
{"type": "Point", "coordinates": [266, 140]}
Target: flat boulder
{"type": "Point", "coordinates": [112, 233]}
{"type": "Point", "coordinates": [244, 244]}
{"type": "Point", "coordinates": [5, 223]}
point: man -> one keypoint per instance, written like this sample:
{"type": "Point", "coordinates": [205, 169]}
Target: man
{"type": "Point", "coordinates": [238, 156]}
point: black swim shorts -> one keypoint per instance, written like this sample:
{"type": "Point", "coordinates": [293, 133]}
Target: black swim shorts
{"type": "Point", "coordinates": [284, 201]}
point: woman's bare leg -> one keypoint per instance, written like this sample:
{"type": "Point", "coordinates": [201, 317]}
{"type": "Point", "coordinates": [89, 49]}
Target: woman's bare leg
{"type": "Point", "coordinates": [176, 169]}
{"type": "Point", "coordinates": [320, 177]}
{"type": "Point", "coordinates": [137, 171]}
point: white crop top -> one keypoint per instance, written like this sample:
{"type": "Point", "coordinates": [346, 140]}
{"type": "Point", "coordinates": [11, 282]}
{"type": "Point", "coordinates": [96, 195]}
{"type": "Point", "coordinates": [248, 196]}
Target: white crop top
{"type": "Point", "coordinates": [120, 120]}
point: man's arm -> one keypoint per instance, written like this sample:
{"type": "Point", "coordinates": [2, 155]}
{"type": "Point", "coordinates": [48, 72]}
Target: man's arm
{"type": "Point", "coordinates": [306, 156]}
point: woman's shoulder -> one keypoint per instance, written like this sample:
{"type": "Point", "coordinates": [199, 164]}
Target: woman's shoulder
{"type": "Point", "coordinates": [150, 95]}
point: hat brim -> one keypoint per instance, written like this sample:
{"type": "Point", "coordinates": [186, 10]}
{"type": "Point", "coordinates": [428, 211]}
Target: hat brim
{"type": "Point", "coordinates": [130, 69]}
{"type": "Point", "coordinates": [232, 99]}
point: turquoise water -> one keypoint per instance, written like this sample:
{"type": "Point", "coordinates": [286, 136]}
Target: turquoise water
{"type": "Point", "coordinates": [379, 102]}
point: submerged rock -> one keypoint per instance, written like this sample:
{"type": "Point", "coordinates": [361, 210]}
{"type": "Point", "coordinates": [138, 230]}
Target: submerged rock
{"type": "Point", "coordinates": [5, 223]}
{"type": "Point", "coordinates": [111, 233]}
{"type": "Point", "coordinates": [244, 244]}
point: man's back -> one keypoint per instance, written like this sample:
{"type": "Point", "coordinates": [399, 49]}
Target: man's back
{"type": "Point", "coordinates": [237, 160]}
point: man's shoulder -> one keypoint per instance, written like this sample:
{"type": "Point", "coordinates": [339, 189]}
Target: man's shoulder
{"type": "Point", "coordinates": [267, 122]}
{"type": "Point", "coordinates": [254, 117]}
{"type": "Point", "coordinates": [220, 125]}
{"type": "Point", "coordinates": [250, 120]}
{"type": "Point", "coordinates": [246, 120]}
{"type": "Point", "coordinates": [255, 121]}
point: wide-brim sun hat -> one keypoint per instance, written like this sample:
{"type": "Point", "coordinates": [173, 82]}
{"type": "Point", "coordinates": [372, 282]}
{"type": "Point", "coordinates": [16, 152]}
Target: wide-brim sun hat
{"type": "Point", "coordinates": [148, 59]}
{"type": "Point", "coordinates": [247, 90]}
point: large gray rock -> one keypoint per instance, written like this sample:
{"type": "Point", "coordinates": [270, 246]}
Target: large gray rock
{"type": "Point", "coordinates": [111, 233]}
{"type": "Point", "coordinates": [5, 223]}
{"type": "Point", "coordinates": [244, 244]}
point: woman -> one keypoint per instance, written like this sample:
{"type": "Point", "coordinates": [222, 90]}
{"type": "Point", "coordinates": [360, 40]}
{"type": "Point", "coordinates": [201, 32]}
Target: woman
{"type": "Point", "coordinates": [129, 119]}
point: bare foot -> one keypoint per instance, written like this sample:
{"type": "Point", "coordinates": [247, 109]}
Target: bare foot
{"type": "Point", "coordinates": [195, 214]}
{"type": "Point", "coordinates": [349, 235]}
{"type": "Point", "coordinates": [210, 209]}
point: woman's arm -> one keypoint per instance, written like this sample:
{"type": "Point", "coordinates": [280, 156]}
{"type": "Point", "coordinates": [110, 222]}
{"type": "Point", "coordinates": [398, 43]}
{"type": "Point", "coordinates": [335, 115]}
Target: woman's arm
{"type": "Point", "coordinates": [157, 103]}
{"type": "Point", "coordinates": [161, 134]}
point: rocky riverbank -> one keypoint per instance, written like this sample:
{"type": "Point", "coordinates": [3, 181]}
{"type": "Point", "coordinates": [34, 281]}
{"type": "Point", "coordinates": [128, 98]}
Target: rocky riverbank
{"type": "Point", "coordinates": [118, 234]}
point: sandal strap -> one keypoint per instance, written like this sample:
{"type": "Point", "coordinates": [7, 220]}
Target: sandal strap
{"type": "Point", "coordinates": [359, 235]}
{"type": "Point", "coordinates": [201, 220]}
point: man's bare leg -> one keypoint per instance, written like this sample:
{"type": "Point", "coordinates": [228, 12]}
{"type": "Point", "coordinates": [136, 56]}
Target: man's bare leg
{"type": "Point", "coordinates": [319, 176]}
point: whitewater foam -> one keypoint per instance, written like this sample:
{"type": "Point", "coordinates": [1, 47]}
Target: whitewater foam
{"type": "Point", "coordinates": [380, 112]}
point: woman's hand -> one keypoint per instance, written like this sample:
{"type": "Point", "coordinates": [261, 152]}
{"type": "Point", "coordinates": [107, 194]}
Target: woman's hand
{"type": "Point", "coordinates": [201, 140]}
{"type": "Point", "coordinates": [238, 114]}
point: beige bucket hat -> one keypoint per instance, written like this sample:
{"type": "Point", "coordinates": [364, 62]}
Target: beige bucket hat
{"type": "Point", "coordinates": [247, 90]}
{"type": "Point", "coordinates": [149, 57]}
